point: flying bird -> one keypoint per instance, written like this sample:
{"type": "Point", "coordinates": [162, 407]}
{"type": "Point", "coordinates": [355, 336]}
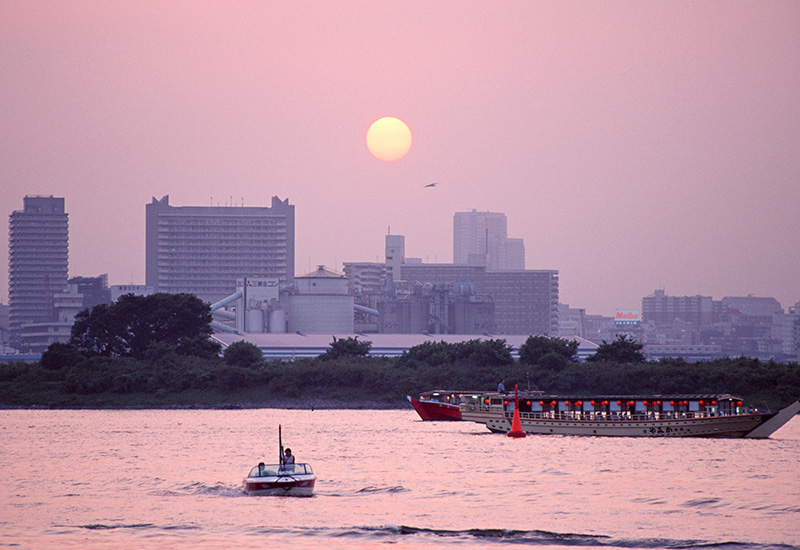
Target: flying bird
{"type": "Point", "coordinates": [432, 184]}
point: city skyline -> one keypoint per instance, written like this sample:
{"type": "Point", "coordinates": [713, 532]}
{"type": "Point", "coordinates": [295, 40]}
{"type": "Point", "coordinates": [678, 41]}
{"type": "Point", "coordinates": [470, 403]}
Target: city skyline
{"type": "Point", "coordinates": [632, 146]}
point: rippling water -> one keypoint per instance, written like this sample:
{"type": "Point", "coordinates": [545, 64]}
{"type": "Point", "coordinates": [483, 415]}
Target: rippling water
{"type": "Point", "coordinates": [172, 479]}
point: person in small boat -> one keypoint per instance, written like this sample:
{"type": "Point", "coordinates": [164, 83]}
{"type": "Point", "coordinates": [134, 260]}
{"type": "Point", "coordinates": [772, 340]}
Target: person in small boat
{"type": "Point", "coordinates": [288, 460]}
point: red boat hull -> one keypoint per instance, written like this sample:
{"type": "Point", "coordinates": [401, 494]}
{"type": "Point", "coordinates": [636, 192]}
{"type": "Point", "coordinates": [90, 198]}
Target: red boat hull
{"type": "Point", "coordinates": [435, 410]}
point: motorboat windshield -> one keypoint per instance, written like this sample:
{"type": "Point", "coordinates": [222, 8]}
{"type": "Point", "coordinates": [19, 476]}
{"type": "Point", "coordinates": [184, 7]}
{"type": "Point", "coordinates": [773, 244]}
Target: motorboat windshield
{"type": "Point", "coordinates": [267, 470]}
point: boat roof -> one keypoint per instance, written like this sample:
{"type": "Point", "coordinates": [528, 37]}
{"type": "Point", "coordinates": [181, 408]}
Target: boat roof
{"type": "Point", "coordinates": [541, 395]}
{"type": "Point", "coordinates": [450, 392]}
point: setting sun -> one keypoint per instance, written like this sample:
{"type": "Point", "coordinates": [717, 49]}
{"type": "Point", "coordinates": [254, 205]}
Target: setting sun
{"type": "Point", "coordinates": [388, 139]}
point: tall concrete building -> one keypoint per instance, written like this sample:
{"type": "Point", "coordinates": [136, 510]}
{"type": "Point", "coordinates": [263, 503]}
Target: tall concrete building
{"type": "Point", "coordinates": [395, 256]}
{"type": "Point", "coordinates": [481, 238]}
{"type": "Point", "coordinates": [524, 302]}
{"type": "Point", "coordinates": [38, 246]}
{"type": "Point", "coordinates": [204, 249]}
{"type": "Point", "coordinates": [663, 310]}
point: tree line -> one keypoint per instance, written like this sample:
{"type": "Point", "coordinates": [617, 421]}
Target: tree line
{"type": "Point", "coordinates": [157, 351]}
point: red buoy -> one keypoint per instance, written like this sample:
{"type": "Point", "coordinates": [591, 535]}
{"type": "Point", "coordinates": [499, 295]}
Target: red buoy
{"type": "Point", "coordinates": [516, 423]}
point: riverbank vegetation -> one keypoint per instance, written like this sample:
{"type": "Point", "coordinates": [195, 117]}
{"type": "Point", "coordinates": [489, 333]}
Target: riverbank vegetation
{"type": "Point", "coordinates": [156, 352]}
{"type": "Point", "coordinates": [241, 377]}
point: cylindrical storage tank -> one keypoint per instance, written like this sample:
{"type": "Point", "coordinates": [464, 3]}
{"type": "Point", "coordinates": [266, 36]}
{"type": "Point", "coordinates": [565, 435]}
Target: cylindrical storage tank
{"type": "Point", "coordinates": [327, 314]}
{"type": "Point", "coordinates": [277, 321]}
{"type": "Point", "coordinates": [255, 320]}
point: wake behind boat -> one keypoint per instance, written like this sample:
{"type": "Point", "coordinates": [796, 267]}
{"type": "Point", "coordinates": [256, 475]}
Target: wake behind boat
{"type": "Point", "coordinates": [708, 415]}
{"type": "Point", "coordinates": [283, 479]}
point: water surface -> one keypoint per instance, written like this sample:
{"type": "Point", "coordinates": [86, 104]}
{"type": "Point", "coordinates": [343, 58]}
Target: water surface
{"type": "Point", "coordinates": [172, 479]}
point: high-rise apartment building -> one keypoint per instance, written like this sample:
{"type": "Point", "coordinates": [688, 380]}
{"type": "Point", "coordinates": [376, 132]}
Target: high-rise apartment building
{"type": "Point", "coordinates": [480, 238]}
{"type": "Point", "coordinates": [38, 252]}
{"type": "Point", "coordinates": [204, 249]}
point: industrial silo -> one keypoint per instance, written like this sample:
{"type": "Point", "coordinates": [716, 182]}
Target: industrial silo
{"type": "Point", "coordinates": [320, 304]}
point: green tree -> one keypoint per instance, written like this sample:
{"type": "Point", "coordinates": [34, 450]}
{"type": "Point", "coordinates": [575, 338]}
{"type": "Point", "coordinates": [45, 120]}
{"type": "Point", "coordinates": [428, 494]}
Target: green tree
{"type": "Point", "coordinates": [346, 347]}
{"type": "Point", "coordinates": [133, 324]}
{"type": "Point", "coordinates": [59, 355]}
{"type": "Point", "coordinates": [243, 354]}
{"type": "Point", "coordinates": [537, 347]}
{"type": "Point", "coordinates": [622, 350]}
{"type": "Point", "coordinates": [552, 361]}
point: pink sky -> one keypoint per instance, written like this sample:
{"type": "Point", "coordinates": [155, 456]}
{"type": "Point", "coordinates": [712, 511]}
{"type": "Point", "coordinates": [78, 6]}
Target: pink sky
{"type": "Point", "coordinates": [632, 145]}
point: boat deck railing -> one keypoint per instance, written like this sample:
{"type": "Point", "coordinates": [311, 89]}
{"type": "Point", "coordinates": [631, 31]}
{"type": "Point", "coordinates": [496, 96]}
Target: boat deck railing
{"type": "Point", "coordinates": [616, 416]}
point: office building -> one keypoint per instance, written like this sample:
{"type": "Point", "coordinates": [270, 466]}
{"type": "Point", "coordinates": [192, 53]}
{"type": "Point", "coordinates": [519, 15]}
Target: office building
{"type": "Point", "coordinates": [664, 310]}
{"type": "Point", "coordinates": [37, 337]}
{"type": "Point", "coordinates": [395, 256]}
{"type": "Point", "coordinates": [117, 291]}
{"type": "Point", "coordinates": [94, 290]}
{"type": "Point", "coordinates": [481, 238]}
{"type": "Point", "coordinates": [38, 252]}
{"type": "Point", "coordinates": [204, 249]}
{"type": "Point", "coordinates": [523, 302]}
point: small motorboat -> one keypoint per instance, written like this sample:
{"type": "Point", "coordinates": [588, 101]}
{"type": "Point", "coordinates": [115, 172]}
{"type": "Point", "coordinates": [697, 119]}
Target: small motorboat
{"type": "Point", "coordinates": [283, 479]}
{"type": "Point", "coordinates": [292, 480]}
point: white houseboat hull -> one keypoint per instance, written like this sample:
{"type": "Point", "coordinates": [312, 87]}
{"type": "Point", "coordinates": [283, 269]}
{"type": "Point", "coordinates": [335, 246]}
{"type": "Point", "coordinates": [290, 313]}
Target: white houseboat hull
{"type": "Point", "coordinates": [711, 421]}
{"type": "Point", "coordinates": [720, 426]}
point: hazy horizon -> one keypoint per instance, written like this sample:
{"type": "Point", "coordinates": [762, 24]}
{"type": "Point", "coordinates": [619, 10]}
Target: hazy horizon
{"type": "Point", "coordinates": [633, 146]}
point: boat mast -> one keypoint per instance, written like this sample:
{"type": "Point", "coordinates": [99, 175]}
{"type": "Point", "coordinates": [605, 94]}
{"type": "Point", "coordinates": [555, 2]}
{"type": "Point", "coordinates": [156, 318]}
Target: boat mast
{"type": "Point", "coordinates": [280, 446]}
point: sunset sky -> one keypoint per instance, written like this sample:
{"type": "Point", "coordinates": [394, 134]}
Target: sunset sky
{"type": "Point", "coordinates": [633, 145]}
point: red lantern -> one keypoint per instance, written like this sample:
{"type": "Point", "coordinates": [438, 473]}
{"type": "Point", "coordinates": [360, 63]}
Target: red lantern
{"type": "Point", "coordinates": [553, 403]}
{"type": "Point", "coordinates": [529, 403]}
{"type": "Point", "coordinates": [738, 403]}
{"type": "Point", "coordinates": [645, 402]}
{"type": "Point", "coordinates": [658, 402]}
{"type": "Point", "coordinates": [566, 403]}
{"type": "Point", "coordinates": [702, 402]}
{"type": "Point", "coordinates": [579, 403]}
{"type": "Point", "coordinates": [541, 403]}
{"type": "Point", "coordinates": [672, 403]}
{"type": "Point", "coordinates": [593, 403]}
{"type": "Point", "coordinates": [505, 402]}
{"type": "Point", "coordinates": [714, 402]}
{"type": "Point", "coordinates": [619, 402]}
{"type": "Point", "coordinates": [486, 400]}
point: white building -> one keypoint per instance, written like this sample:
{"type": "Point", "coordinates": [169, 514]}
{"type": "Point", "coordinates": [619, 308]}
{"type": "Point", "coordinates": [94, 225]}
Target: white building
{"type": "Point", "coordinates": [481, 238]}
{"type": "Point", "coordinates": [37, 337]}
{"type": "Point", "coordinates": [203, 249]}
{"type": "Point", "coordinates": [38, 258]}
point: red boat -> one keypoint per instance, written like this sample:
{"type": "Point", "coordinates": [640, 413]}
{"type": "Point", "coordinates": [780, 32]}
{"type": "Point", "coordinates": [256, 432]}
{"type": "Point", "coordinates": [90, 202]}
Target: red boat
{"type": "Point", "coordinates": [438, 404]}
